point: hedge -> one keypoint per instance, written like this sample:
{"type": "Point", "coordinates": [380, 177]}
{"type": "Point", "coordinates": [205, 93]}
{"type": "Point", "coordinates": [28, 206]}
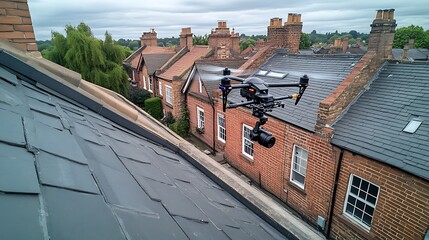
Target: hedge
{"type": "Point", "coordinates": [153, 107]}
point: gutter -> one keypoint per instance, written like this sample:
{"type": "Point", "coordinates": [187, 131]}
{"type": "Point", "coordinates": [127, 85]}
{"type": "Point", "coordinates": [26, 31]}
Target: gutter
{"type": "Point", "coordinates": [334, 194]}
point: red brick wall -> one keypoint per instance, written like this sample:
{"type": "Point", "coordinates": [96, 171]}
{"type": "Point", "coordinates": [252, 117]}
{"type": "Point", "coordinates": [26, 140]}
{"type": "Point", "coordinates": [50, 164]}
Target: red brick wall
{"type": "Point", "coordinates": [402, 209]}
{"type": "Point", "coordinates": [271, 167]}
{"type": "Point", "coordinates": [207, 136]}
{"type": "Point", "coordinates": [16, 25]}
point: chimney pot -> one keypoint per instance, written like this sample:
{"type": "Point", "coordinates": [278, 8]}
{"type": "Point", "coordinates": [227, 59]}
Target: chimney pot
{"type": "Point", "coordinates": [290, 18]}
{"type": "Point", "coordinates": [379, 14]}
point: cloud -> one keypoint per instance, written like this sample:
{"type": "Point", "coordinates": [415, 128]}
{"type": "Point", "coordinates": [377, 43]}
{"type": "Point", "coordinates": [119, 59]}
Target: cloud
{"type": "Point", "coordinates": [129, 19]}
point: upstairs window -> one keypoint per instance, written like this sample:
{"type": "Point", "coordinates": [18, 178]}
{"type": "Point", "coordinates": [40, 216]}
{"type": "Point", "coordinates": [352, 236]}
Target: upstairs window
{"type": "Point", "coordinates": [150, 85]}
{"type": "Point", "coordinates": [247, 143]}
{"type": "Point", "coordinates": [221, 130]}
{"type": "Point", "coordinates": [168, 95]}
{"type": "Point", "coordinates": [299, 166]}
{"type": "Point", "coordinates": [360, 201]}
{"type": "Point", "coordinates": [200, 84]}
{"type": "Point", "coordinates": [200, 115]}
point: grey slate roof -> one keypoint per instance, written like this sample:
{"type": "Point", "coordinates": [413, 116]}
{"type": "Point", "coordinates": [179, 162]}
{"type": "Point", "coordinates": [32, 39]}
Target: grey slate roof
{"type": "Point", "coordinates": [373, 126]}
{"type": "Point", "coordinates": [155, 61]}
{"type": "Point", "coordinates": [326, 72]}
{"type": "Point", "coordinates": [414, 54]}
{"type": "Point", "coordinates": [67, 172]}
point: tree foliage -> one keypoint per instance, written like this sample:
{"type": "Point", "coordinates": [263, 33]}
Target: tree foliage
{"type": "Point", "coordinates": [403, 34]}
{"type": "Point", "coordinates": [200, 39]}
{"type": "Point", "coordinates": [304, 42]}
{"type": "Point", "coordinates": [98, 61]}
{"type": "Point", "coordinates": [246, 43]}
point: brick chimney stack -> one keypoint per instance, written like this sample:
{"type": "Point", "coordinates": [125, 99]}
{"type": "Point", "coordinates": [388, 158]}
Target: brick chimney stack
{"type": "Point", "coordinates": [411, 43]}
{"type": "Point", "coordinates": [186, 38]}
{"type": "Point", "coordinates": [382, 33]}
{"type": "Point", "coordinates": [149, 38]}
{"type": "Point", "coordinates": [286, 36]}
{"type": "Point", "coordinates": [16, 25]}
{"type": "Point", "coordinates": [225, 43]}
{"type": "Point", "coordinates": [345, 44]}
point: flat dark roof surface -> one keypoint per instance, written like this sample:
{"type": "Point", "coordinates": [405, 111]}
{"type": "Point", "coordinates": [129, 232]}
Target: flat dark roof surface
{"type": "Point", "coordinates": [67, 172]}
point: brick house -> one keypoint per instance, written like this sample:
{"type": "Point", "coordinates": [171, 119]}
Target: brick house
{"type": "Point", "coordinates": [383, 165]}
{"type": "Point", "coordinates": [142, 63]}
{"type": "Point", "coordinates": [301, 168]}
{"type": "Point", "coordinates": [172, 75]}
{"type": "Point", "coordinates": [225, 43]}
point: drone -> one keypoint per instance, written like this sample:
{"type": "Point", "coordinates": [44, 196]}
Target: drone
{"type": "Point", "coordinates": [255, 90]}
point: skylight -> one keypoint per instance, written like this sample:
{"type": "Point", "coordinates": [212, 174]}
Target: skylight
{"type": "Point", "coordinates": [262, 73]}
{"type": "Point", "coordinates": [276, 74]}
{"type": "Point", "coordinates": [412, 126]}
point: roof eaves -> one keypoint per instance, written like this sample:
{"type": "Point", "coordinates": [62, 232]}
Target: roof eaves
{"type": "Point", "coordinates": [189, 79]}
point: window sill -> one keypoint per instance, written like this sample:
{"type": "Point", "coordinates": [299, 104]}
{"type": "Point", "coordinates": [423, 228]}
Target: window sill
{"type": "Point", "coordinates": [297, 188]}
{"type": "Point", "coordinates": [168, 105]}
{"type": "Point", "coordinates": [246, 158]}
{"type": "Point", "coordinates": [353, 226]}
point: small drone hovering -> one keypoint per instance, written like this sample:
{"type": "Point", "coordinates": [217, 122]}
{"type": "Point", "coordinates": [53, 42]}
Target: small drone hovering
{"type": "Point", "coordinates": [255, 90]}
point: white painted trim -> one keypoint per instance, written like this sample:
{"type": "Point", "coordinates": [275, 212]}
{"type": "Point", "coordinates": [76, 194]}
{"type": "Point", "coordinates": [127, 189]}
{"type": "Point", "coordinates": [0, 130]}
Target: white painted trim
{"type": "Point", "coordinates": [243, 140]}
{"type": "Point", "coordinates": [218, 127]}
{"type": "Point", "coordinates": [291, 167]}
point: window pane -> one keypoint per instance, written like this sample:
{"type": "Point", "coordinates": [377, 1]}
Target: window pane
{"type": "Point", "coordinates": [349, 209]}
{"type": "Point", "coordinates": [356, 182]}
{"type": "Point", "coordinates": [362, 194]}
{"type": "Point", "coordinates": [364, 186]}
{"type": "Point", "coordinates": [373, 190]}
{"type": "Point", "coordinates": [358, 213]}
{"type": "Point", "coordinates": [297, 177]}
{"type": "Point", "coordinates": [367, 219]}
{"type": "Point", "coordinates": [369, 210]}
{"type": "Point", "coordinates": [352, 200]}
{"type": "Point", "coordinates": [371, 199]}
{"type": "Point", "coordinates": [354, 190]}
{"type": "Point", "coordinates": [360, 205]}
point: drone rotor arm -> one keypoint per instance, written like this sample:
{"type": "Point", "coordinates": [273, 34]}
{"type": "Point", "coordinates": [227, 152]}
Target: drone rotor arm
{"type": "Point", "coordinates": [234, 105]}
{"type": "Point", "coordinates": [282, 84]}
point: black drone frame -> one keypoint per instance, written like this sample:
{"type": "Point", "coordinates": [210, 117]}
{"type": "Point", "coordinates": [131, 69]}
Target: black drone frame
{"type": "Point", "coordinates": [255, 90]}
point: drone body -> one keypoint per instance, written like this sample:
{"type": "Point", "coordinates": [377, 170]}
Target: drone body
{"type": "Point", "coordinates": [255, 91]}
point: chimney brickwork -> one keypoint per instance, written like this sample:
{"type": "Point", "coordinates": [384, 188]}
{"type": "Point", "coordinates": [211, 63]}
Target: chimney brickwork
{"type": "Point", "coordinates": [381, 40]}
{"type": "Point", "coordinates": [382, 33]}
{"type": "Point", "coordinates": [186, 38]}
{"type": "Point", "coordinates": [149, 38]}
{"type": "Point", "coordinates": [226, 44]}
{"type": "Point", "coordinates": [287, 35]}
{"type": "Point", "coordinates": [16, 25]}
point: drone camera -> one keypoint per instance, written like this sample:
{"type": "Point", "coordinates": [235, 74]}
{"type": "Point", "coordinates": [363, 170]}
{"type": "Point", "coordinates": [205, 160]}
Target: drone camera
{"type": "Point", "coordinates": [248, 93]}
{"type": "Point", "coordinates": [263, 137]}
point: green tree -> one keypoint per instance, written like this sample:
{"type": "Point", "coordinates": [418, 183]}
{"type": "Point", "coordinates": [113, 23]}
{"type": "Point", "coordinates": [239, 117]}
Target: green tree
{"type": "Point", "coordinates": [246, 43]}
{"type": "Point", "coordinates": [99, 62]}
{"type": "Point", "coordinates": [403, 34]}
{"type": "Point", "coordinates": [200, 40]}
{"type": "Point", "coordinates": [304, 42]}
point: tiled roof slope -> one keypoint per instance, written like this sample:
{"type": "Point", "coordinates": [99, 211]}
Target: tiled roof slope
{"type": "Point", "coordinates": [413, 54]}
{"type": "Point", "coordinates": [373, 125]}
{"type": "Point", "coordinates": [67, 172]}
{"type": "Point", "coordinates": [325, 72]}
{"type": "Point", "coordinates": [155, 61]}
{"type": "Point", "coordinates": [184, 64]}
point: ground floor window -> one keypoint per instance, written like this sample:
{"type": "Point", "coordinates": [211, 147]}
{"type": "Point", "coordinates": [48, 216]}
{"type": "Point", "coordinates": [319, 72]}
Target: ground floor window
{"type": "Point", "coordinates": [168, 95]}
{"type": "Point", "coordinates": [221, 130]}
{"type": "Point", "coordinates": [200, 116]}
{"type": "Point", "coordinates": [360, 201]}
{"type": "Point", "coordinates": [299, 166]}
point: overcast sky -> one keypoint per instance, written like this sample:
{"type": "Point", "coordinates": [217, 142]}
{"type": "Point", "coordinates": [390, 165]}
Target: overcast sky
{"type": "Point", "coordinates": [130, 18]}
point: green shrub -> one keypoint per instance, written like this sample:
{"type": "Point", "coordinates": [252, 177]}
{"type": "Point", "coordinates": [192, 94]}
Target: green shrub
{"type": "Point", "coordinates": [153, 107]}
{"type": "Point", "coordinates": [138, 96]}
{"type": "Point", "coordinates": [183, 123]}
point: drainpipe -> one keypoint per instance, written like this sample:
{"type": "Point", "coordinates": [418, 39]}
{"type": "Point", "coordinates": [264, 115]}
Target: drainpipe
{"type": "Point", "coordinates": [334, 193]}
{"type": "Point", "coordinates": [214, 128]}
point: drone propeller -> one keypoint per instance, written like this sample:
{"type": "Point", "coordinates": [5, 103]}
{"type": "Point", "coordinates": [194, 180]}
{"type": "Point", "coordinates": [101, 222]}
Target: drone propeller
{"type": "Point", "coordinates": [212, 68]}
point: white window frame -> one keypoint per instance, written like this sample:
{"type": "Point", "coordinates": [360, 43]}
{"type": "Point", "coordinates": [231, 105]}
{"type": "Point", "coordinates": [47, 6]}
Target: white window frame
{"type": "Point", "coordinates": [160, 88]}
{"type": "Point", "coordinates": [247, 141]}
{"type": "Point", "coordinates": [168, 94]}
{"type": "Point", "coordinates": [150, 85]}
{"type": "Point", "coordinates": [297, 165]}
{"type": "Point", "coordinates": [200, 84]}
{"type": "Point", "coordinates": [200, 120]}
{"type": "Point", "coordinates": [358, 197]}
{"type": "Point", "coordinates": [221, 129]}
{"type": "Point", "coordinates": [144, 82]}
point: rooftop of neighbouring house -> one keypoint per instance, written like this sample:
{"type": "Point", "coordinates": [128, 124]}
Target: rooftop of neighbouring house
{"type": "Point", "coordinates": [70, 168]}
{"type": "Point", "coordinates": [156, 60]}
{"type": "Point", "coordinates": [134, 59]}
{"type": "Point", "coordinates": [185, 63]}
{"type": "Point", "coordinates": [414, 54]}
{"type": "Point", "coordinates": [375, 126]}
{"type": "Point", "coordinates": [326, 72]}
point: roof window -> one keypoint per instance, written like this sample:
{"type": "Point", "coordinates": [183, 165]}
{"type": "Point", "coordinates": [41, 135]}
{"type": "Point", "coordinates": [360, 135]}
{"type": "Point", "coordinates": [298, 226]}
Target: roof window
{"type": "Point", "coordinates": [262, 73]}
{"type": "Point", "coordinates": [412, 126]}
{"type": "Point", "coordinates": [276, 74]}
